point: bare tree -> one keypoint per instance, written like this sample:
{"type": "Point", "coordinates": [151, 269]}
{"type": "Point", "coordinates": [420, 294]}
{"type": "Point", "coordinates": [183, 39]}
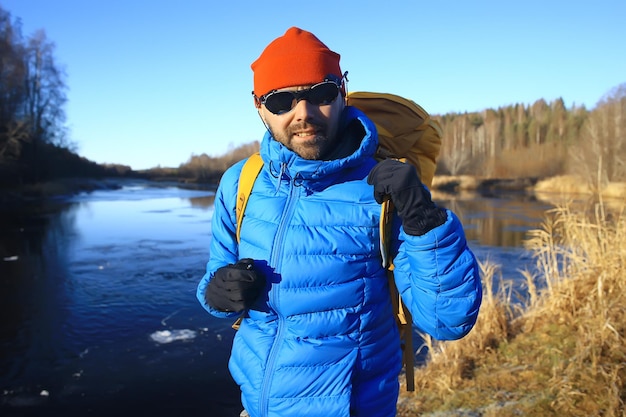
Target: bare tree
{"type": "Point", "coordinates": [613, 109]}
{"type": "Point", "coordinates": [32, 100]}
{"type": "Point", "coordinates": [456, 160]}
{"type": "Point", "coordinates": [601, 154]}
{"type": "Point", "coordinates": [45, 89]}
{"type": "Point", "coordinates": [12, 72]}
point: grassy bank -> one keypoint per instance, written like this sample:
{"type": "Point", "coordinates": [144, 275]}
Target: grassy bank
{"type": "Point", "coordinates": [562, 352]}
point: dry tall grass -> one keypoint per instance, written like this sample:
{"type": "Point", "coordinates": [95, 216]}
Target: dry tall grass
{"type": "Point", "coordinates": [562, 353]}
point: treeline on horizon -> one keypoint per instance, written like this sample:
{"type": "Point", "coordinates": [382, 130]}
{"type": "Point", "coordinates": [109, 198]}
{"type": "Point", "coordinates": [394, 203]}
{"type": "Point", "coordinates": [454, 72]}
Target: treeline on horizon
{"type": "Point", "coordinates": [539, 140]}
{"type": "Point", "coordinates": [516, 141]}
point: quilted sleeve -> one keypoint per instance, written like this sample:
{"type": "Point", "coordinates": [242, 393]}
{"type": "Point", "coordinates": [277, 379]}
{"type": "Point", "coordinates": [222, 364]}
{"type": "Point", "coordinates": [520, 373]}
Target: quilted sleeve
{"type": "Point", "coordinates": [439, 280]}
{"type": "Point", "coordinates": [223, 247]}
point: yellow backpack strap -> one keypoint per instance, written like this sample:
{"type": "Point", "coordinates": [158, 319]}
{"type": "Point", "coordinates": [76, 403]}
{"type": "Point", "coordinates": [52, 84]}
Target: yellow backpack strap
{"type": "Point", "coordinates": [249, 172]}
{"type": "Point", "coordinates": [402, 314]}
{"type": "Point", "coordinates": [247, 177]}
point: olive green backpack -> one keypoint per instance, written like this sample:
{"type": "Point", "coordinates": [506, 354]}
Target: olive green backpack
{"type": "Point", "coordinates": [406, 132]}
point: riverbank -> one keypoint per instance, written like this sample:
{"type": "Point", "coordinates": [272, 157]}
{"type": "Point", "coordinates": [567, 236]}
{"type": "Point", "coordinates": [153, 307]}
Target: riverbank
{"type": "Point", "coordinates": [561, 353]}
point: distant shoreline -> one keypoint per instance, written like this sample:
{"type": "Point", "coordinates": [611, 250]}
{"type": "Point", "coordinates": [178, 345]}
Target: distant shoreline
{"type": "Point", "coordinates": [562, 185]}
{"type": "Point", "coordinates": [444, 184]}
{"type": "Point", "coordinates": [67, 187]}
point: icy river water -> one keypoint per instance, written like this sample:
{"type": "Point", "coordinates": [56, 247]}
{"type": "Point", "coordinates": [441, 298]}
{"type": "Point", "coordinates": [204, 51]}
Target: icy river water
{"type": "Point", "coordinates": [98, 314]}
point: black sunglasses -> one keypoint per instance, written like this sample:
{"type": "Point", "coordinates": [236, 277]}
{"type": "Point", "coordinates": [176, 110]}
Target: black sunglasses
{"type": "Point", "coordinates": [281, 102]}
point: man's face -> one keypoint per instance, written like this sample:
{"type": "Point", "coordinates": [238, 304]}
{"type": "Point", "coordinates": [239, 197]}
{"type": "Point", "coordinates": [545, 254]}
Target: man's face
{"type": "Point", "coordinates": [307, 129]}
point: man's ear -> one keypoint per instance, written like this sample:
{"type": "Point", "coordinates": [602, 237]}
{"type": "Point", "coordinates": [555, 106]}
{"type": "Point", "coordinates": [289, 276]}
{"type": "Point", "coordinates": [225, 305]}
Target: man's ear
{"type": "Point", "coordinates": [260, 111]}
{"type": "Point", "coordinates": [257, 102]}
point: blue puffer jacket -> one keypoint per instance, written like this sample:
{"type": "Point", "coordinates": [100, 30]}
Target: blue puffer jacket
{"type": "Point", "coordinates": [322, 340]}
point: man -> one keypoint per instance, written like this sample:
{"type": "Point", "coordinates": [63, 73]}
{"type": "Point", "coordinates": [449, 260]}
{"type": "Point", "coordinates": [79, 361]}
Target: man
{"type": "Point", "coordinates": [318, 336]}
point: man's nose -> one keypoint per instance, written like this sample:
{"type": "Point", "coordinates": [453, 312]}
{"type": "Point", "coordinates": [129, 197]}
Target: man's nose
{"type": "Point", "coordinates": [304, 110]}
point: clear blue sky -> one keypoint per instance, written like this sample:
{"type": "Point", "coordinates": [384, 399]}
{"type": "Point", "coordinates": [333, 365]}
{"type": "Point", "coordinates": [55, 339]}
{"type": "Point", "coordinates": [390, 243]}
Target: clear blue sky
{"type": "Point", "coordinates": [152, 82]}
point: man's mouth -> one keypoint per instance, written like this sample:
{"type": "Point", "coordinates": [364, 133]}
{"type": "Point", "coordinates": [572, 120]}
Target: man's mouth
{"type": "Point", "coordinates": [305, 134]}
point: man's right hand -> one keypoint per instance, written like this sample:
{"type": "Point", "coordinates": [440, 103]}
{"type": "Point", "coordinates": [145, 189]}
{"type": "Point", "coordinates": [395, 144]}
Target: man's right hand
{"type": "Point", "coordinates": [235, 287]}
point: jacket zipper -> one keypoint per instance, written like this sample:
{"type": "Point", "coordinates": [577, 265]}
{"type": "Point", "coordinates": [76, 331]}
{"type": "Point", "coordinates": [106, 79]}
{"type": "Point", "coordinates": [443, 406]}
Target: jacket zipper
{"type": "Point", "coordinates": [274, 302]}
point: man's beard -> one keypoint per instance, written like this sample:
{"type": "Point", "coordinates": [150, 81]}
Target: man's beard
{"type": "Point", "coordinates": [314, 149]}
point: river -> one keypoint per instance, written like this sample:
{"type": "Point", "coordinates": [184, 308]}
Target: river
{"type": "Point", "coordinates": [98, 314]}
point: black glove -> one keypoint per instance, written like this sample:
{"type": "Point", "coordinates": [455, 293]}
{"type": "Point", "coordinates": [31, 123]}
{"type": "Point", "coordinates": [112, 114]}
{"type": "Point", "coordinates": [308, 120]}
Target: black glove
{"type": "Point", "coordinates": [234, 288]}
{"type": "Point", "coordinates": [412, 200]}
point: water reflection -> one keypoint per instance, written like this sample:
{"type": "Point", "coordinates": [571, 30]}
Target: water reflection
{"type": "Point", "coordinates": [85, 284]}
{"type": "Point", "coordinates": [501, 221]}
{"type": "Point", "coordinates": [34, 261]}
{"type": "Point", "coordinates": [203, 202]}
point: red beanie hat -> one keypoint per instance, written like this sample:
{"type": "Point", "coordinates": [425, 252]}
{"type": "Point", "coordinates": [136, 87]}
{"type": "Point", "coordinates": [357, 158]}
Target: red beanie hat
{"type": "Point", "coordinates": [296, 58]}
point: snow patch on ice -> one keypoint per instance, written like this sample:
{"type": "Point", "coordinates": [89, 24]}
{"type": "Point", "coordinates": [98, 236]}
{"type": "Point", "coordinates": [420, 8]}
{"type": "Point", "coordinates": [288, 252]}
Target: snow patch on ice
{"type": "Point", "coordinates": [168, 336]}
